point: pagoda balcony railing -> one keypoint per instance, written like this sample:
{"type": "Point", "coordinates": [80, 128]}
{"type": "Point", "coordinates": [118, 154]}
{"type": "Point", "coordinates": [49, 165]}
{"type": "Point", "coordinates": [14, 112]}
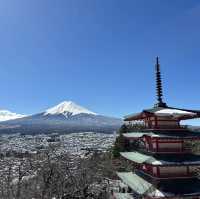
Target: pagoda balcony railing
{"type": "Point", "coordinates": [136, 127]}
{"type": "Point", "coordinates": [141, 126]}
{"type": "Point", "coordinates": [173, 150]}
{"type": "Point", "coordinates": [170, 175]}
{"type": "Point", "coordinates": [180, 175]}
{"type": "Point", "coordinates": [193, 146]}
{"type": "Point", "coordinates": [142, 148]}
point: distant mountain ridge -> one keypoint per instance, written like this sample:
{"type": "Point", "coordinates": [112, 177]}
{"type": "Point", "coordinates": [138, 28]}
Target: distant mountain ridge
{"type": "Point", "coordinates": [66, 117]}
{"type": "Point", "coordinates": [8, 115]}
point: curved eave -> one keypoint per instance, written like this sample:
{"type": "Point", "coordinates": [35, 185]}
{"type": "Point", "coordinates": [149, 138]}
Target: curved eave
{"type": "Point", "coordinates": [152, 112]}
{"type": "Point", "coordinates": [176, 188]}
{"type": "Point", "coordinates": [194, 113]}
{"type": "Point", "coordinates": [163, 135]}
{"type": "Point", "coordinates": [140, 158]}
{"type": "Point", "coordinates": [137, 116]}
{"type": "Point", "coordinates": [135, 182]}
{"type": "Point", "coordinates": [187, 117]}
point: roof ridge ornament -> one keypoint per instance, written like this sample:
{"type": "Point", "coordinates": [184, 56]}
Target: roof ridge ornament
{"type": "Point", "coordinates": [159, 90]}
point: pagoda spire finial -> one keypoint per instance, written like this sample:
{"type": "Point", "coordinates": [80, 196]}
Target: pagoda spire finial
{"type": "Point", "coordinates": [159, 91]}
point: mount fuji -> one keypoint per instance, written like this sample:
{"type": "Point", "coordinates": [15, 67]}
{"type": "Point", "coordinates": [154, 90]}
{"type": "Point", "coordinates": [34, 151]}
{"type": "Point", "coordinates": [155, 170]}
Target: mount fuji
{"type": "Point", "coordinates": [66, 117]}
{"type": "Point", "coordinates": [67, 108]}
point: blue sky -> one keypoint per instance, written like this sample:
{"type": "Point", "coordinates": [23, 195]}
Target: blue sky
{"type": "Point", "coordinates": [98, 53]}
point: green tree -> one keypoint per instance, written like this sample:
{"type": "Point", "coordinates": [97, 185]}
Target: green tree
{"type": "Point", "coordinates": [120, 142]}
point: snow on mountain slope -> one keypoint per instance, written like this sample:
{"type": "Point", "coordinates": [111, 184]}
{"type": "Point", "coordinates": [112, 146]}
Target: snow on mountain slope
{"type": "Point", "coordinates": [7, 115]}
{"type": "Point", "coordinates": [67, 108]}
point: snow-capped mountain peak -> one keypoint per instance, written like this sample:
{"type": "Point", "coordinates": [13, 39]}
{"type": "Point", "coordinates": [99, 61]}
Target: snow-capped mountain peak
{"type": "Point", "coordinates": [8, 115]}
{"type": "Point", "coordinates": [66, 108]}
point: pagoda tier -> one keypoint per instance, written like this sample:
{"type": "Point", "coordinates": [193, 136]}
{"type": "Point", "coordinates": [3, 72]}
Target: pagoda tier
{"type": "Point", "coordinates": [162, 167]}
{"type": "Point", "coordinates": [162, 118]}
{"type": "Point", "coordinates": [167, 189]}
{"type": "Point", "coordinates": [162, 142]}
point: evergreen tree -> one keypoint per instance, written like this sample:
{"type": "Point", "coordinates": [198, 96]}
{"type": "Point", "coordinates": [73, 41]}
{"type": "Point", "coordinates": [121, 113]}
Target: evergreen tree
{"type": "Point", "coordinates": [120, 142]}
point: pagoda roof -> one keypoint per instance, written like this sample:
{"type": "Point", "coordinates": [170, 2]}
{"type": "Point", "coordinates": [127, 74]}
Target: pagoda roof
{"type": "Point", "coordinates": [161, 160]}
{"type": "Point", "coordinates": [135, 134]}
{"type": "Point", "coordinates": [164, 134]}
{"type": "Point", "coordinates": [135, 182]}
{"type": "Point", "coordinates": [176, 113]}
{"type": "Point", "coordinates": [142, 186]}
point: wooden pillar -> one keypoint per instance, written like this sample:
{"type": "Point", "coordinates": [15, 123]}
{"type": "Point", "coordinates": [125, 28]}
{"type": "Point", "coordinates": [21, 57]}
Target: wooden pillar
{"type": "Point", "coordinates": [156, 122]}
{"type": "Point", "coordinates": [182, 142]}
{"type": "Point", "coordinates": [157, 148]}
{"type": "Point", "coordinates": [188, 171]}
{"type": "Point", "coordinates": [158, 171]}
{"type": "Point", "coordinates": [150, 143]}
{"type": "Point", "coordinates": [149, 123]}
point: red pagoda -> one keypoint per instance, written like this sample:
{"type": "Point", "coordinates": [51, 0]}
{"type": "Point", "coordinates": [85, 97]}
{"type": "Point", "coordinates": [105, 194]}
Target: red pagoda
{"type": "Point", "coordinates": [165, 166]}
